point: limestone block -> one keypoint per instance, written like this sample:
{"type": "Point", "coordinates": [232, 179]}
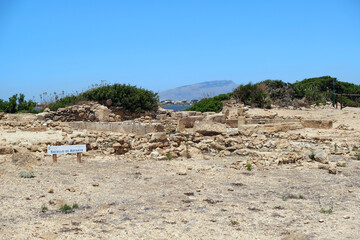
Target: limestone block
{"type": "Point", "coordinates": [324, 124]}
{"type": "Point", "coordinates": [209, 128]}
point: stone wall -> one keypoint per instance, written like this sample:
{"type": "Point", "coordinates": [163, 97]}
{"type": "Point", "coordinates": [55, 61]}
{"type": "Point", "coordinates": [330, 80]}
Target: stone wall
{"type": "Point", "coordinates": [126, 127]}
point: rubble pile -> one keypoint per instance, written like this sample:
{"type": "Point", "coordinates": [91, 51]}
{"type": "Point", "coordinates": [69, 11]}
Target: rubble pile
{"type": "Point", "coordinates": [89, 111]}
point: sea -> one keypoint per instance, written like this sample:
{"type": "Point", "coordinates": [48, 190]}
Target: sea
{"type": "Point", "coordinates": [176, 108]}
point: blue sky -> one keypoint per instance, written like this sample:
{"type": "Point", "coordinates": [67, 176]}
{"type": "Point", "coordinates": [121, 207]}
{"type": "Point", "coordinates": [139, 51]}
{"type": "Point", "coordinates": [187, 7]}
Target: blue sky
{"type": "Point", "coordinates": [61, 45]}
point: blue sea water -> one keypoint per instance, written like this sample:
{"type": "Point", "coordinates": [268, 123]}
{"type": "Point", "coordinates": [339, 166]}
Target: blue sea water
{"type": "Point", "coordinates": [176, 108]}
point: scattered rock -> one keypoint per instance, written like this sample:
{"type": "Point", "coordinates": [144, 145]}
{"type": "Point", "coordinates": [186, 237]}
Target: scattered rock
{"type": "Point", "coordinates": [70, 189]}
{"type": "Point", "coordinates": [6, 150]}
{"type": "Point", "coordinates": [332, 169]}
{"type": "Point", "coordinates": [182, 172]}
{"type": "Point", "coordinates": [321, 156]}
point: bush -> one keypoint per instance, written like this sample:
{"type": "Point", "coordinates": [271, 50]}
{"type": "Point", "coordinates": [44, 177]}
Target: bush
{"type": "Point", "coordinates": [131, 98]}
{"type": "Point", "coordinates": [213, 104]}
{"type": "Point", "coordinates": [64, 102]}
{"type": "Point", "coordinates": [17, 103]}
{"type": "Point", "coordinates": [254, 95]}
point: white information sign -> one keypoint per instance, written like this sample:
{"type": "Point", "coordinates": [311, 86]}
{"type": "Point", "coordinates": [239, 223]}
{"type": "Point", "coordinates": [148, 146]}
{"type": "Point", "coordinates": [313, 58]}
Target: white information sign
{"type": "Point", "coordinates": [66, 149]}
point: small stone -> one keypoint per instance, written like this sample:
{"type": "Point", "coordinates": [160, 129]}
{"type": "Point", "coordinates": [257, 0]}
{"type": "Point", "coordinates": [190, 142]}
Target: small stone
{"type": "Point", "coordinates": [321, 220]}
{"type": "Point", "coordinates": [182, 172]}
{"type": "Point", "coordinates": [332, 169]}
{"type": "Point", "coordinates": [323, 166]}
{"type": "Point", "coordinates": [230, 189]}
{"type": "Point", "coordinates": [346, 217]}
{"type": "Point", "coordinates": [71, 189]}
{"type": "Point", "coordinates": [49, 236]}
{"type": "Point", "coordinates": [198, 190]}
{"type": "Point", "coordinates": [51, 190]}
{"type": "Point", "coordinates": [42, 195]}
{"type": "Point", "coordinates": [28, 198]}
{"type": "Point", "coordinates": [95, 184]}
{"type": "Point", "coordinates": [351, 190]}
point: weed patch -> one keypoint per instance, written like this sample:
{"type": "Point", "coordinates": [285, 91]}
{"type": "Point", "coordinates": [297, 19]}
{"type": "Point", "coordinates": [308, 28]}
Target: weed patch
{"type": "Point", "coordinates": [29, 174]}
{"type": "Point", "coordinates": [67, 209]}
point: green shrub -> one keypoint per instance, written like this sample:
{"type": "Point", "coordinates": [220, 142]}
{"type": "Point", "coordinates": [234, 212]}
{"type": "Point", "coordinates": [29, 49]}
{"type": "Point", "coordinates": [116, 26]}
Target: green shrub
{"type": "Point", "coordinates": [169, 156]}
{"type": "Point", "coordinates": [213, 104]}
{"type": "Point", "coordinates": [64, 102]}
{"type": "Point", "coordinates": [131, 98]}
{"type": "Point", "coordinates": [67, 209]}
{"type": "Point", "coordinates": [17, 103]}
{"type": "Point", "coordinates": [44, 208]}
{"type": "Point", "coordinates": [29, 174]}
{"type": "Point", "coordinates": [248, 167]}
{"type": "Point", "coordinates": [254, 95]}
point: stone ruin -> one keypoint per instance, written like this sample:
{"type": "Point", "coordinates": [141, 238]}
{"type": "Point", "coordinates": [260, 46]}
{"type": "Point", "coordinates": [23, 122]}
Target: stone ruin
{"type": "Point", "coordinates": [260, 140]}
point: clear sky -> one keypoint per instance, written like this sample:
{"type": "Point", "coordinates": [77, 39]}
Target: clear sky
{"type": "Point", "coordinates": [68, 45]}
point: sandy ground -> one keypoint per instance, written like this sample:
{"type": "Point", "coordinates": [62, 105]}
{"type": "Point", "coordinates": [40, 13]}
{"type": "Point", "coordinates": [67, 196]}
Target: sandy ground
{"type": "Point", "coordinates": [150, 200]}
{"type": "Point", "coordinates": [121, 198]}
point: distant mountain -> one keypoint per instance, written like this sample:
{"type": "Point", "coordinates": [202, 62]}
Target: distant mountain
{"type": "Point", "coordinates": [198, 90]}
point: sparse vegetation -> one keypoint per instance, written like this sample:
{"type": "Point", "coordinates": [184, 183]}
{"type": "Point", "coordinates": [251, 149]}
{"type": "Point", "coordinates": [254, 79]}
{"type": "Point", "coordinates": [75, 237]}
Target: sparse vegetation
{"type": "Point", "coordinates": [335, 147]}
{"type": "Point", "coordinates": [249, 167]}
{"type": "Point", "coordinates": [312, 156]}
{"type": "Point", "coordinates": [328, 210]}
{"type": "Point", "coordinates": [44, 208]}
{"type": "Point", "coordinates": [67, 209]}
{"type": "Point", "coordinates": [213, 104]}
{"type": "Point", "coordinates": [169, 156]}
{"type": "Point", "coordinates": [234, 222]}
{"type": "Point", "coordinates": [27, 174]}
{"type": "Point", "coordinates": [285, 197]}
